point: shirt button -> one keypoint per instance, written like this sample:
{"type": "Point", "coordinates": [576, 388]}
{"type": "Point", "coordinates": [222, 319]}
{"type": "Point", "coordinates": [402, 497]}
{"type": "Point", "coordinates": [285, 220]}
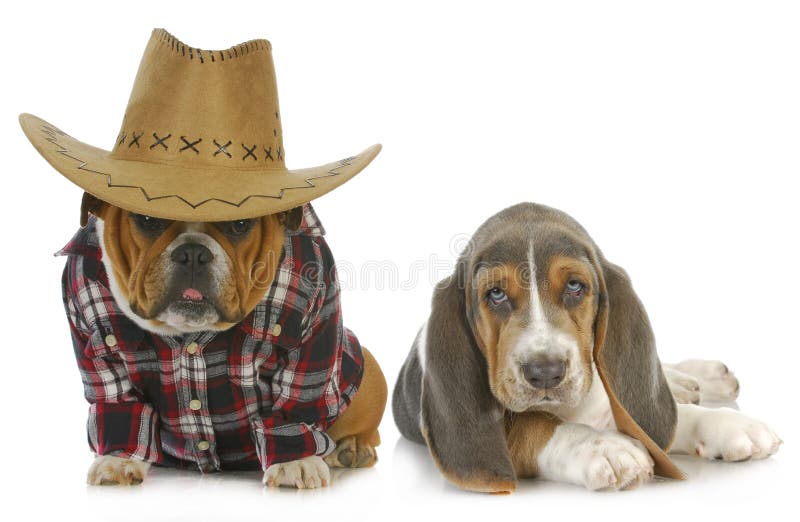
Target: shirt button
{"type": "Point", "coordinates": [203, 445]}
{"type": "Point", "coordinates": [195, 405]}
{"type": "Point", "coordinates": [192, 348]}
{"type": "Point", "coordinates": [276, 329]}
{"type": "Point", "coordinates": [111, 340]}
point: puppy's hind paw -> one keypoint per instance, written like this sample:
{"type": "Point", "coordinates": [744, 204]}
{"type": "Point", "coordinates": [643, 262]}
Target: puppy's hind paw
{"type": "Point", "coordinates": [684, 388]}
{"type": "Point", "coordinates": [107, 470]}
{"type": "Point", "coordinates": [726, 434]}
{"type": "Point", "coordinates": [717, 382]}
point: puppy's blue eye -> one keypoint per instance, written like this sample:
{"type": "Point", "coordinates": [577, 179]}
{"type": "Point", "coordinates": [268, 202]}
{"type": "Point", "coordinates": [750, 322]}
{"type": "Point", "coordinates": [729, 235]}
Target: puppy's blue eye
{"type": "Point", "coordinates": [574, 288]}
{"type": "Point", "coordinates": [496, 296]}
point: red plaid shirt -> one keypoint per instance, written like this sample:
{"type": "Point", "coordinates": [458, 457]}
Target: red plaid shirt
{"type": "Point", "coordinates": [248, 397]}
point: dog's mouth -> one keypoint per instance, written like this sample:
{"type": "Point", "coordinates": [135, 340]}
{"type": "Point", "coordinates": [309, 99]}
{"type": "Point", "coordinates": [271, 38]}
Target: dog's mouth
{"type": "Point", "coordinates": [566, 394]}
{"type": "Point", "coordinates": [192, 295]}
{"type": "Point", "coordinates": [550, 397]}
{"type": "Point", "coordinates": [189, 312]}
{"type": "Point", "coordinates": [520, 396]}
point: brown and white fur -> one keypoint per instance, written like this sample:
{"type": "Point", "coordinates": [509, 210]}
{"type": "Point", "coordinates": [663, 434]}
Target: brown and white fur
{"type": "Point", "coordinates": [503, 380]}
{"type": "Point", "coordinates": [148, 281]}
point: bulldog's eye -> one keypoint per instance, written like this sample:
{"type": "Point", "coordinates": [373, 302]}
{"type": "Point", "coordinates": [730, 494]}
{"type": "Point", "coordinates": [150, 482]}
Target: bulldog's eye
{"type": "Point", "coordinates": [574, 288]}
{"type": "Point", "coordinates": [239, 227]}
{"type": "Point", "coordinates": [150, 224]}
{"type": "Point", "coordinates": [496, 296]}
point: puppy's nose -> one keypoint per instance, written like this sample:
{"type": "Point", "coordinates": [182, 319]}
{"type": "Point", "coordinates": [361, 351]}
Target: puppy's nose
{"type": "Point", "coordinates": [192, 254]}
{"type": "Point", "coordinates": [544, 373]}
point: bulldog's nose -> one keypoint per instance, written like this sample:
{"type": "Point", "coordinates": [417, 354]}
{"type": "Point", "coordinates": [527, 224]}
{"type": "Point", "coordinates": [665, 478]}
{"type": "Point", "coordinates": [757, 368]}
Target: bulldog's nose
{"type": "Point", "coordinates": [544, 373]}
{"type": "Point", "coordinates": [192, 255]}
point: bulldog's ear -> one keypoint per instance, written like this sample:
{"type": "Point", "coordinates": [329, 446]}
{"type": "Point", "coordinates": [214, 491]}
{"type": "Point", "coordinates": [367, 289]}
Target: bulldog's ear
{"type": "Point", "coordinates": [90, 204]}
{"type": "Point", "coordinates": [462, 422]}
{"type": "Point", "coordinates": [291, 219]}
{"type": "Point", "coordinates": [627, 362]}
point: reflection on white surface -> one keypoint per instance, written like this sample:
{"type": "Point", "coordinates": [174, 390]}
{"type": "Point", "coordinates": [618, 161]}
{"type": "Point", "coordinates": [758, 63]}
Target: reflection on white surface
{"type": "Point", "coordinates": [404, 484]}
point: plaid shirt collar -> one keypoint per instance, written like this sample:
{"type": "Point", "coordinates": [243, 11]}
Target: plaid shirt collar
{"type": "Point", "coordinates": [258, 324]}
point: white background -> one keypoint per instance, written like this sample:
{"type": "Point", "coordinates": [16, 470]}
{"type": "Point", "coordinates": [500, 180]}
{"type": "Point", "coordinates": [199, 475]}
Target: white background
{"type": "Point", "coordinates": [670, 130]}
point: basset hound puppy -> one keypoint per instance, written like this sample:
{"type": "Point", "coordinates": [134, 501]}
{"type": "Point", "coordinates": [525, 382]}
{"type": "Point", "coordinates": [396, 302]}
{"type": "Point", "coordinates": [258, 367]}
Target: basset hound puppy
{"type": "Point", "coordinates": [538, 360]}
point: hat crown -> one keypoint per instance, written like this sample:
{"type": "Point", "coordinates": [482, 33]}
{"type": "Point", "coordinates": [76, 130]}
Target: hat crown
{"type": "Point", "coordinates": [198, 108]}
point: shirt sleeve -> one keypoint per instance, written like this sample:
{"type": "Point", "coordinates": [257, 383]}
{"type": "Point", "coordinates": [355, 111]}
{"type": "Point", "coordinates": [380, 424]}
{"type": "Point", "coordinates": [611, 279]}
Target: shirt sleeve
{"type": "Point", "coordinates": [120, 422]}
{"type": "Point", "coordinates": [314, 383]}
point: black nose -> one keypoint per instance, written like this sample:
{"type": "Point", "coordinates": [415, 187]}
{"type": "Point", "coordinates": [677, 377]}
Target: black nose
{"type": "Point", "coordinates": [545, 373]}
{"type": "Point", "coordinates": [192, 255]}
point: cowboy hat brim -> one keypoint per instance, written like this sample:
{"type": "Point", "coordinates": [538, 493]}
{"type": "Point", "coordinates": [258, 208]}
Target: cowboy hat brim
{"type": "Point", "coordinates": [209, 194]}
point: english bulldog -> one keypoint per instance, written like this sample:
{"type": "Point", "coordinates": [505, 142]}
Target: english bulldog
{"type": "Point", "coordinates": [217, 345]}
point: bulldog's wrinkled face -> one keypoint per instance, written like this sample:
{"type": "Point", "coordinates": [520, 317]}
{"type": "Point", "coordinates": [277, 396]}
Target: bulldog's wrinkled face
{"type": "Point", "coordinates": [173, 277]}
{"type": "Point", "coordinates": [534, 303]}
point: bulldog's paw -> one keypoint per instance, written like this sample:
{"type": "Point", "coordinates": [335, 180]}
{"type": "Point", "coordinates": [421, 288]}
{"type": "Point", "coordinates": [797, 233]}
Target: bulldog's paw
{"type": "Point", "coordinates": [107, 470]}
{"type": "Point", "coordinates": [595, 459]}
{"type": "Point", "coordinates": [716, 381]}
{"type": "Point", "coordinates": [306, 473]}
{"type": "Point", "coordinates": [684, 388]}
{"type": "Point", "coordinates": [350, 453]}
{"type": "Point", "coordinates": [726, 434]}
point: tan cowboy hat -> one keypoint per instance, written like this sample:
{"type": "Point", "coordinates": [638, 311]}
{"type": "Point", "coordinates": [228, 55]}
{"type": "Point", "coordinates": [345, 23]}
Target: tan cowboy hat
{"type": "Point", "coordinates": [201, 140]}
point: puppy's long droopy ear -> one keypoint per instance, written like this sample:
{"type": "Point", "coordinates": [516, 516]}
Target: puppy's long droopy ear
{"type": "Point", "coordinates": [462, 422]}
{"type": "Point", "coordinates": [626, 359]}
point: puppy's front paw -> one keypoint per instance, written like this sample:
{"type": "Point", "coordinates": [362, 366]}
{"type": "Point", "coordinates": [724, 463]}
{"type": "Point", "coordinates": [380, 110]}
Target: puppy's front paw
{"type": "Point", "coordinates": [716, 381]}
{"type": "Point", "coordinates": [617, 462]}
{"type": "Point", "coordinates": [107, 470]}
{"type": "Point", "coordinates": [726, 434]}
{"type": "Point", "coordinates": [595, 459]}
{"type": "Point", "coordinates": [306, 473]}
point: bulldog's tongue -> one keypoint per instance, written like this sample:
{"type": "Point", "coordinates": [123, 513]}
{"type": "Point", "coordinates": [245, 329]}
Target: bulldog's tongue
{"type": "Point", "coordinates": [192, 295]}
